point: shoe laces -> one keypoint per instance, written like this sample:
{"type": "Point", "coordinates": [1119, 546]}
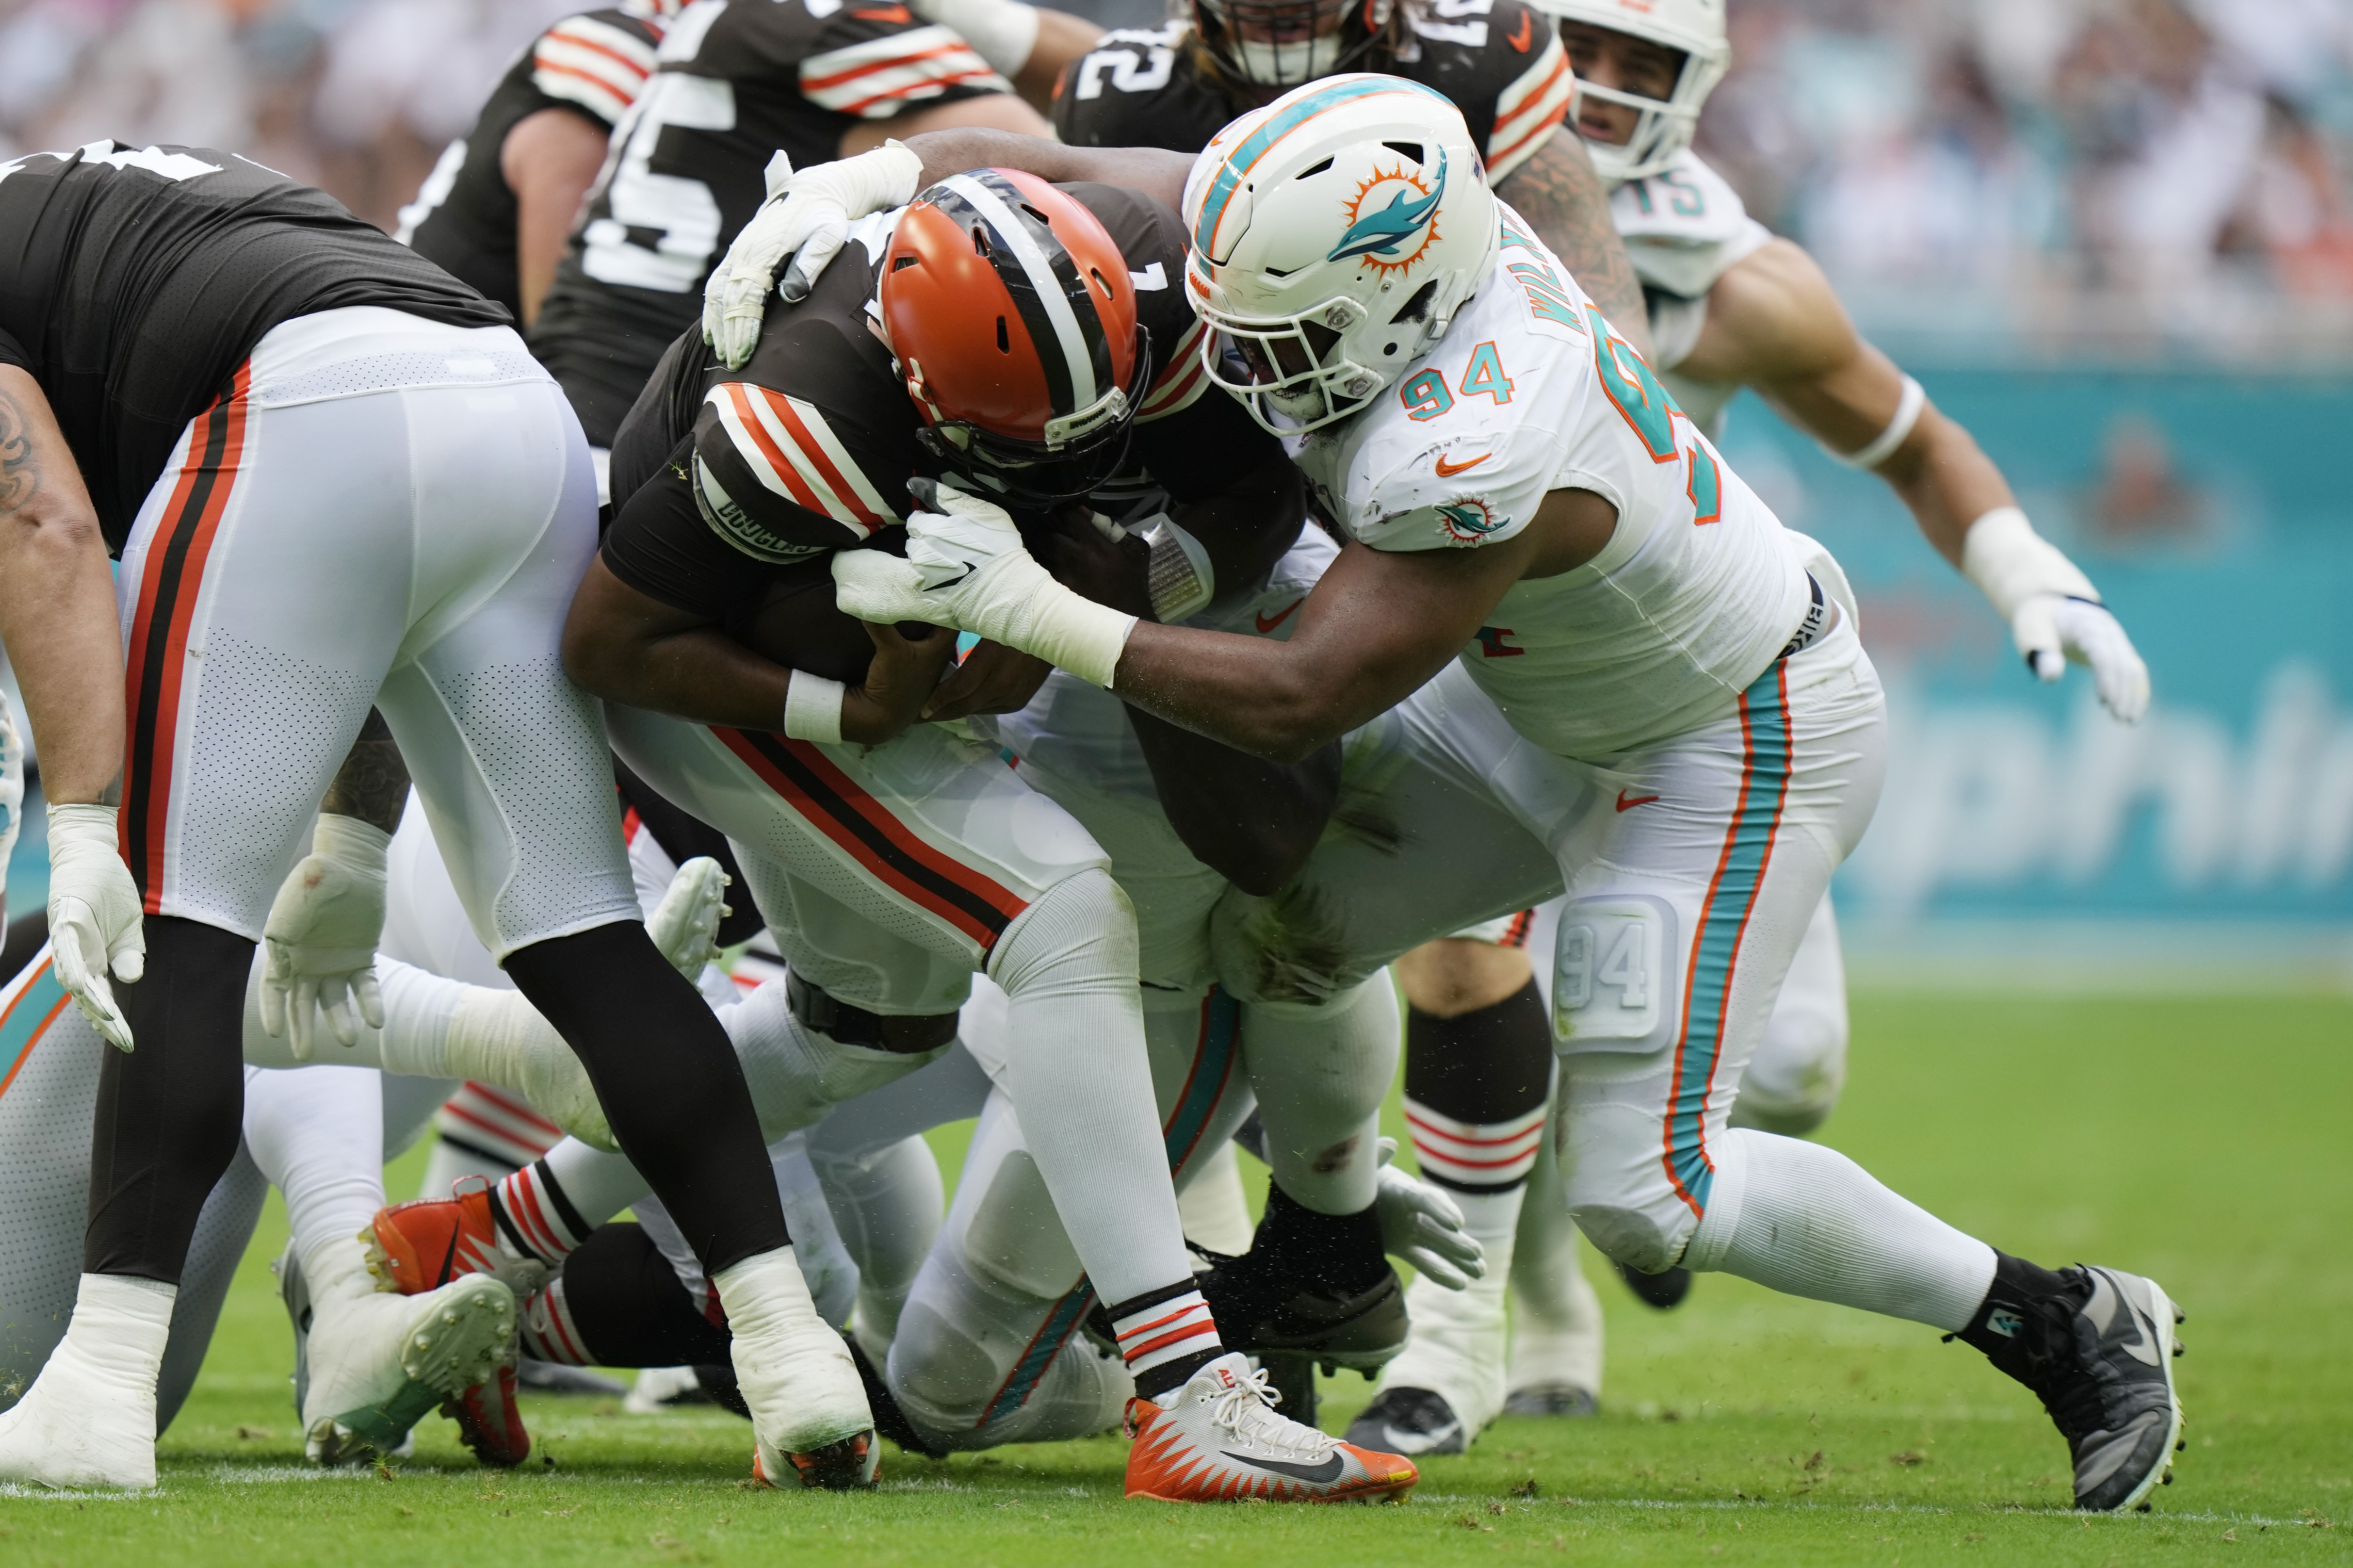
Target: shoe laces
{"type": "Point", "coordinates": [1247, 1410]}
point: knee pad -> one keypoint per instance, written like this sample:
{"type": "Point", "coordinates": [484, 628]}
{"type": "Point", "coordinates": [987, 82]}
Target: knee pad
{"type": "Point", "coordinates": [1614, 1177]}
{"type": "Point", "coordinates": [941, 1376]}
{"type": "Point", "coordinates": [1794, 1081]}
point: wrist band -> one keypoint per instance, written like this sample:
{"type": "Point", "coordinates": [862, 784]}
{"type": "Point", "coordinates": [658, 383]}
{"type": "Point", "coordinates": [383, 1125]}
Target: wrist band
{"type": "Point", "coordinates": [813, 709]}
{"type": "Point", "coordinates": [1908, 414]}
{"type": "Point", "coordinates": [348, 841]}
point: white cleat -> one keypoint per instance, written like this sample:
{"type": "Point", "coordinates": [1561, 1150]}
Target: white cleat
{"type": "Point", "coordinates": [1447, 1384]}
{"type": "Point", "coordinates": [379, 1361]}
{"type": "Point", "coordinates": [89, 1420]}
{"type": "Point", "coordinates": [809, 1415]}
{"type": "Point", "coordinates": [1555, 1367]}
{"type": "Point", "coordinates": [685, 925]}
{"type": "Point", "coordinates": [1221, 1440]}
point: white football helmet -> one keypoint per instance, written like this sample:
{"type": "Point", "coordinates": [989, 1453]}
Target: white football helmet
{"type": "Point", "coordinates": [1694, 26]}
{"type": "Point", "coordinates": [1333, 234]}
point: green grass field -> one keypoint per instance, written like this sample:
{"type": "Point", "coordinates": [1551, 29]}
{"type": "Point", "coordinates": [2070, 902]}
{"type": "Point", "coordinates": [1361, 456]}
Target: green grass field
{"type": "Point", "coordinates": [2202, 1141]}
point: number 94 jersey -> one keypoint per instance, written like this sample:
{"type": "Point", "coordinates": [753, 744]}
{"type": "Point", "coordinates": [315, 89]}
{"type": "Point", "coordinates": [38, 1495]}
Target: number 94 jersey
{"type": "Point", "coordinates": [1531, 391]}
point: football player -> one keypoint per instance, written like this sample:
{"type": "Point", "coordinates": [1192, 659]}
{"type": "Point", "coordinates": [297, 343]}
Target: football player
{"type": "Point", "coordinates": [498, 207]}
{"type": "Point", "coordinates": [1364, 285]}
{"type": "Point", "coordinates": [194, 350]}
{"type": "Point", "coordinates": [890, 865]}
{"type": "Point", "coordinates": [800, 81]}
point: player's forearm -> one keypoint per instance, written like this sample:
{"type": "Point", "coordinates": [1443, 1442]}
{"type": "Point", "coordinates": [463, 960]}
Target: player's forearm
{"type": "Point", "coordinates": [1946, 481]}
{"type": "Point", "coordinates": [627, 647]}
{"type": "Point", "coordinates": [1253, 821]}
{"type": "Point", "coordinates": [1061, 38]}
{"type": "Point", "coordinates": [549, 160]}
{"type": "Point", "coordinates": [1563, 200]}
{"type": "Point", "coordinates": [1154, 171]}
{"type": "Point", "coordinates": [372, 782]}
{"type": "Point", "coordinates": [57, 612]}
{"type": "Point", "coordinates": [1248, 692]}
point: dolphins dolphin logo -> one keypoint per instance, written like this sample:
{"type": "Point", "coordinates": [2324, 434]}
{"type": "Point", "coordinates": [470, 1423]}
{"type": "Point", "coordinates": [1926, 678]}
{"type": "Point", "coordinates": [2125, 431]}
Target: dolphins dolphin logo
{"type": "Point", "coordinates": [1381, 232]}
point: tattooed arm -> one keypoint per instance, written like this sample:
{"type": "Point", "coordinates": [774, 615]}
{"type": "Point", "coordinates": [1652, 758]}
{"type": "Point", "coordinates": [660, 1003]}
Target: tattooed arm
{"type": "Point", "coordinates": [1562, 199]}
{"type": "Point", "coordinates": [372, 782]}
{"type": "Point", "coordinates": [57, 602]}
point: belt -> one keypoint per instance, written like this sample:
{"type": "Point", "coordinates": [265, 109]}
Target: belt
{"type": "Point", "coordinates": [1820, 616]}
{"type": "Point", "coordinates": [817, 1008]}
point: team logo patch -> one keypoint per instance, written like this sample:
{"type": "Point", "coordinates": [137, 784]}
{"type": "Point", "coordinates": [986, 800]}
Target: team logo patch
{"type": "Point", "coordinates": [1392, 218]}
{"type": "Point", "coordinates": [1468, 518]}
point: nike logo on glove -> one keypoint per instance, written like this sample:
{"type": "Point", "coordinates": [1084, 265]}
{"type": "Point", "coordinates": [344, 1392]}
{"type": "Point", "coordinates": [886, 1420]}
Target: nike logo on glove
{"type": "Point", "coordinates": [1625, 804]}
{"type": "Point", "coordinates": [1329, 1471]}
{"type": "Point", "coordinates": [1447, 470]}
{"type": "Point", "coordinates": [1268, 623]}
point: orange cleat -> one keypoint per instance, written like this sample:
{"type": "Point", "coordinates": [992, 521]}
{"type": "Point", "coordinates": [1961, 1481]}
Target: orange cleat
{"type": "Point", "coordinates": [1223, 1442]}
{"type": "Point", "coordinates": [490, 1422]}
{"type": "Point", "coordinates": [854, 1464]}
{"type": "Point", "coordinates": [424, 1244]}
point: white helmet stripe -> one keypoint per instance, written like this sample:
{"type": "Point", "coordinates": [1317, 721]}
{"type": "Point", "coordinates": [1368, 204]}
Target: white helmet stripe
{"type": "Point", "coordinates": [1049, 288]}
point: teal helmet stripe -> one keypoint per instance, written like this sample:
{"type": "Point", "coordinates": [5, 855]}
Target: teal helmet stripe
{"type": "Point", "coordinates": [1242, 159]}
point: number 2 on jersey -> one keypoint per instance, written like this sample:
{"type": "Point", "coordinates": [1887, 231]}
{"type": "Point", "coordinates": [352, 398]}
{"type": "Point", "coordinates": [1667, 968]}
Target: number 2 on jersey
{"type": "Point", "coordinates": [1425, 395]}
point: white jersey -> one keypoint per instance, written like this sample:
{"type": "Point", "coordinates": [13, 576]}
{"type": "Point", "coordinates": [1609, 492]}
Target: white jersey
{"type": "Point", "coordinates": [1683, 229]}
{"type": "Point", "coordinates": [1699, 587]}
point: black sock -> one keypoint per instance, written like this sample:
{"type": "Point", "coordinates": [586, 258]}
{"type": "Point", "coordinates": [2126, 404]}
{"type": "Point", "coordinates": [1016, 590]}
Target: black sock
{"type": "Point", "coordinates": [169, 1112]}
{"type": "Point", "coordinates": [2017, 1287]}
{"type": "Point", "coordinates": [631, 1310]}
{"type": "Point", "coordinates": [1338, 1252]}
{"type": "Point", "coordinates": [668, 1080]}
{"type": "Point", "coordinates": [1490, 1064]}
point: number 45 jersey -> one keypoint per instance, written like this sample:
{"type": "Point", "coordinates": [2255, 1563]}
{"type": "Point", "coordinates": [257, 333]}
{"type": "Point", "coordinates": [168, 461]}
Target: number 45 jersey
{"type": "Point", "coordinates": [737, 82]}
{"type": "Point", "coordinates": [1699, 588]}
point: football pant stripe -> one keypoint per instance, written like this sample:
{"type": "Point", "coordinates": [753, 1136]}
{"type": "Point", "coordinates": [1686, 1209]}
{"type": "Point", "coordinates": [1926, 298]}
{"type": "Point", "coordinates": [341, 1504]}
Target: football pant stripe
{"type": "Point", "coordinates": [172, 581]}
{"type": "Point", "coordinates": [1740, 869]}
{"type": "Point", "coordinates": [24, 1021]}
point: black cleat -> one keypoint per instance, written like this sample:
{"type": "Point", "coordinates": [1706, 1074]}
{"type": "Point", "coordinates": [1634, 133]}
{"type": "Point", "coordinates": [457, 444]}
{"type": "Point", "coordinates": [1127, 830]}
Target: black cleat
{"type": "Point", "coordinates": [2096, 1357]}
{"type": "Point", "coordinates": [1551, 1399]}
{"type": "Point", "coordinates": [1661, 1291]}
{"type": "Point", "coordinates": [1411, 1421]}
{"type": "Point", "coordinates": [1263, 1308]}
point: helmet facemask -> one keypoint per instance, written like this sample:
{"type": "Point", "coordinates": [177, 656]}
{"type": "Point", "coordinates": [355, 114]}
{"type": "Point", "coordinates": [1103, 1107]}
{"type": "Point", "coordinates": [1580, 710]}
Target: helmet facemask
{"type": "Point", "coordinates": [1080, 454]}
{"type": "Point", "coordinates": [1283, 43]}
{"type": "Point", "coordinates": [1663, 125]}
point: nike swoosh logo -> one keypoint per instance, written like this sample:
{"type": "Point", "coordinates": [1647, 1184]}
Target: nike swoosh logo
{"type": "Point", "coordinates": [1447, 470]}
{"type": "Point", "coordinates": [1520, 40]}
{"type": "Point", "coordinates": [1317, 1475]}
{"type": "Point", "coordinates": [1268, 623]}
{"type": "Point", "coordinates": [1625, 804]}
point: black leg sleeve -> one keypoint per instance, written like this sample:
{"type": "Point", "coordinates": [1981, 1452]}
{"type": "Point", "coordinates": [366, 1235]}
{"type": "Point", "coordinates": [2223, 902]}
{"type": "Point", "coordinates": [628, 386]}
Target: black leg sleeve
{"type": "Point", "coordinates": [668, 1080]}
{"type": "Point", "coordinates": [1493, 1064]}
{"type": "Point", "coordinates": [630, 1307]}
{"type": "Point", "coordinates": [169, 1112]}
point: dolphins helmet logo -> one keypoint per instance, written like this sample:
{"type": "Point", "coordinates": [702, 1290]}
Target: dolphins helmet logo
{"type": "Point", "coordinates": [1392, 219]}
{"type": "Point", "coordinates": [1468, 518]}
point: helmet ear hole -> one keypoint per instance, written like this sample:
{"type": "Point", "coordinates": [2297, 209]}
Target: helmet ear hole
{"type": "Point", "coordinates": [1412, 150]}
{"type": "Point", "coordinates": [901, 263]}
{"type": "Point", "coordinates": [1417, 308]}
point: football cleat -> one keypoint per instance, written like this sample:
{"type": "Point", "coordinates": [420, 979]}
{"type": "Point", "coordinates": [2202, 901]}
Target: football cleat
{"type": "Point", "coordinates": [1220, 1440]}
{"type": "Point", "coordinates": [89, 1419]}
{"type": "Point", "coordinates": [378, 1362]}
{"type": "Point", "coordinates": [796, 1377]}
{"type": "Point", "coordinates": [1551, 1399]}
{"type": "Point", "coordinates": [1410, 1421]}
{"type": "Point", "coordinates": [1664, 1289]}
{"type": "Point", "coordinates": [850, 1465]}
{"type": "Point", "coordinates": [1261, 1307]}
{"type": "Point", "coordinates": [424, 1244]}
{"type": "Point", "coordinates": [294, 1292]}
{"type": "Point", "coordinates": [490, 1421]}
{"type": "Point", "coordinates": [2097, 1358]}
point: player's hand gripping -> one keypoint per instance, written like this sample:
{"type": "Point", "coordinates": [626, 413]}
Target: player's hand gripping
{"type": "Point", "coordinates": [94, 916]}
{"type": "Point", "coordinates": [1420, 1225]}
{"type": "Point", "coordinates": [899, 681]}
{"type": "Point", "coordinates": [806, 216]}
{"type": "Point", "coordinates": [965, 567]}
{"type": "Point", "coordinates": [319, 940]}
{"type": "Point", "coordinates": [2055, 613]}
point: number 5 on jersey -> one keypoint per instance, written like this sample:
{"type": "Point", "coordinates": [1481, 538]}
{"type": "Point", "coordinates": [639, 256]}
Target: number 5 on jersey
{"type": "Point", "coordinates": [1426, 397]}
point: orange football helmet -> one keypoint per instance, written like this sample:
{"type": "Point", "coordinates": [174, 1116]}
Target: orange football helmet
{"type": "Point", "coordinates": [1010, 312]}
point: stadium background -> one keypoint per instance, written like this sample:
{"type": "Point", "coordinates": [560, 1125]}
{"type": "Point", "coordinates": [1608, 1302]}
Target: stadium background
{"type": "Point", "coordinates": [2113, 238]}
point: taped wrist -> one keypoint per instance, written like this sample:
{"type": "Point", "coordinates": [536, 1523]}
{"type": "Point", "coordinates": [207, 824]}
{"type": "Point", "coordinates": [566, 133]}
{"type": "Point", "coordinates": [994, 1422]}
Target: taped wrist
{"type": "Point", "coordinates": [1002, 32]}
{"type": "Point", "coordinates": [361, 848]}
{"type": "Point", "coordinates": [2010, 562]}
{"type": "Point", "coordinates": [81, 829]}
{"type": "Point", "coordinates": [871, 183]}
{"type": "Point", "coordinates": [1015, 601]}
{"type": "Point", "coordinates": [813, 709]}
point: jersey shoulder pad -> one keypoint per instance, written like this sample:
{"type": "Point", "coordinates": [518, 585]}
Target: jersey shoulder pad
{"type": "Point", "coordinates": [774, 475]}
{"type": "Point", "coordinates": [1109, 95]}
{"type": "Point", "coordinates": [875, 61]}
{"type": "Point", "coordinates": [1685, 228]}
{"type": "Point", "coordinates": [1502, 64]}
{"type": "Point", "coordinates": [599, 61]}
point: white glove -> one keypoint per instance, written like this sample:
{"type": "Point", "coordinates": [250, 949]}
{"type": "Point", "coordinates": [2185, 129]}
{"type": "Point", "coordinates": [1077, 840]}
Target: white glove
{"type": "Point", "coordinates": [321, 938]}
{"type": "Point", "coordinates": [2055, 613]}
{"type": "Point", "coordinates": [11, 791]}
{"type": "Point", "coordinates": [94, 920]}
{"type": "Point", "coordinates": [806, 216]}
{"type": "Point", "coordinates": [966, 568]}
{"type": "Point", "coordinates": [1420, 1225]}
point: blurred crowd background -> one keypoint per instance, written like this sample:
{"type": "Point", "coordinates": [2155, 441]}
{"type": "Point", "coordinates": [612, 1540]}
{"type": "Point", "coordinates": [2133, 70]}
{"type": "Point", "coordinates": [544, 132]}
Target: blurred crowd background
{"type": "Point", "coordinates": [2162, 176]}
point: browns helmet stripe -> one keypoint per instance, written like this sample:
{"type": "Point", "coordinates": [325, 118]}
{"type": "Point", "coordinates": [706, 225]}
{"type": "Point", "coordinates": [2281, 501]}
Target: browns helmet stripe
{"type": "Point", "coordinates": [1043, 282]}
